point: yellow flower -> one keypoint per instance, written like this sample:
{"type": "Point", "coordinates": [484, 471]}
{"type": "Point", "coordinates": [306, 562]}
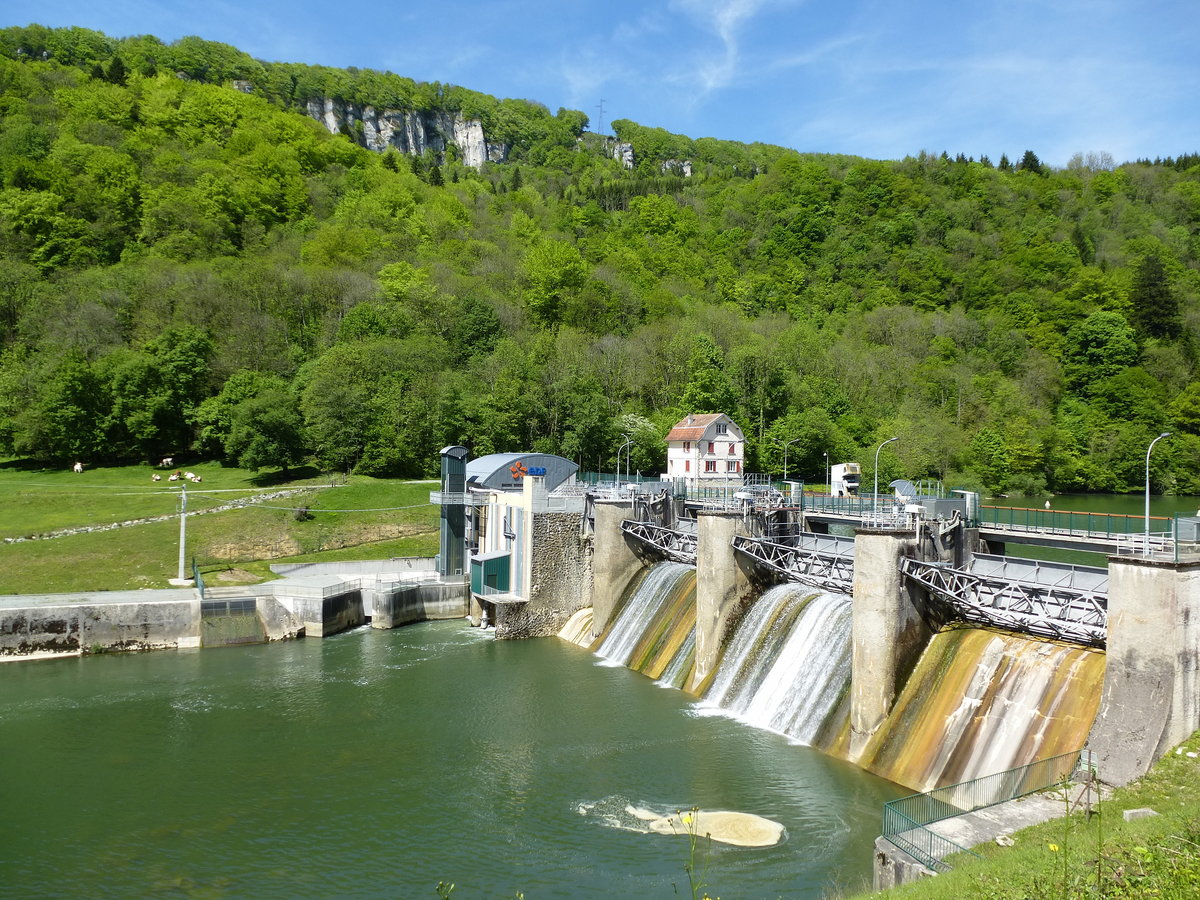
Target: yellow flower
{"type": "Point", "coordinates": [1053, 847]}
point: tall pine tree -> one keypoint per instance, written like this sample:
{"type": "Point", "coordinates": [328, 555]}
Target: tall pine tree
{"type": "Point", "coordinates": [1155, 308]}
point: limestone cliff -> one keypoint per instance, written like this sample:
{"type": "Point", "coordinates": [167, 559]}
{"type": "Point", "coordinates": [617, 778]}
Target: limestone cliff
{"type": "Point", "coordinates": [410, 132]}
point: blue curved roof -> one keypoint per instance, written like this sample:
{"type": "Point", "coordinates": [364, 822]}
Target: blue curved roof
{"type": "Point", "coordinates": [500, 471]}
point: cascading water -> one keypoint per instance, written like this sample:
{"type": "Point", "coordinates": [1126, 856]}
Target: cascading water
{"type": "Point", "coordinates": [978, 702]}
{"type": "Point", "coordinates": [788, 665]}
{"type": "Point", "coordinates": [656, 623]}
{"type": "Point", "coordinates": [981, 702]}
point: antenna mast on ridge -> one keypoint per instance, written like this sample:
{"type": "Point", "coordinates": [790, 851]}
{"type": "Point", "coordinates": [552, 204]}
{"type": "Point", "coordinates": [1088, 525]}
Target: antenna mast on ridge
{"type": "Point", "coordinates": [600, 128]}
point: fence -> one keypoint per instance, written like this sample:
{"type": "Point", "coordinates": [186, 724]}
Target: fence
{"type": "Point", "coordinates": [199, 579]}
{"type": "Point", "coordinates": [905, 820]}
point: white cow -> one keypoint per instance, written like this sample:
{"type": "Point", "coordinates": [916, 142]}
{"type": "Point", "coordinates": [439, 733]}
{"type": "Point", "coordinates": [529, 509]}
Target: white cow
{"type": "Point", "coordinates": [156, 477]}
{"type": "Point", "coordinates": [78, 467]}
{"type": "Point", "coordinates": [167, 462]}
{"type": "Point", "coordinates": [174, 476]}
{"type": "Point", "coordinates": [197, 479]}
{"type": "Point", "coordinates": [190, 476]}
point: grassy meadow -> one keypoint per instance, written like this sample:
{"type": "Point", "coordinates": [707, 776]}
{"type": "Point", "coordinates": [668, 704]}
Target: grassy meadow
{"type": "Point", "coordinates": [362, 518]}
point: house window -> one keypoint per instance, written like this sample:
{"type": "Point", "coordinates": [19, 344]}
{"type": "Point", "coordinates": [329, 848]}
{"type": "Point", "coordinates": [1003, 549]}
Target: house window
{"type": "Point", "coordinates": [721, 428]}
{"type": "Point", "coordinates": [731, 466]}
{"type": "Point", "coordinates": [687, 446]}
{"type": "Point", "coordinates": [731, 449]}
{"type": "Point", "coordinates": [710, 465]}
{"type": "Point", "coordinates": [712, 447]}
{"type": "Point", "coordinates": [687, 465]}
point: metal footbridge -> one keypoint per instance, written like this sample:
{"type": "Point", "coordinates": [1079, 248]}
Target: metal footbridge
{"type": "Point", "coordinates": [1110, 533]}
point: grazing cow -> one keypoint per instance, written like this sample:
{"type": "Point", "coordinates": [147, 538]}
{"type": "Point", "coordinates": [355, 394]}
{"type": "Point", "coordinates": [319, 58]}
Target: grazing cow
{"type": "Point", "coordinates": [174, 476]}
{"type": "Point", "coordinates": [78, 467]}
{"type": "Point", "coordinates": [156, 477]}
{"type": "Point", "coordinates": [197, 479]}
{"type": "Point", "coordinates": [167, 462]}
{"type": "Point", "coordinates": [190, 476]}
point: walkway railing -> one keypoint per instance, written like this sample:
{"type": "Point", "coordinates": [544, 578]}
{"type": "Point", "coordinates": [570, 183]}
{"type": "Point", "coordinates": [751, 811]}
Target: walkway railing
{"type": "Point", "coordinates": [1071, 522]}
{"type": "Point", "coordinates": [905, 820]}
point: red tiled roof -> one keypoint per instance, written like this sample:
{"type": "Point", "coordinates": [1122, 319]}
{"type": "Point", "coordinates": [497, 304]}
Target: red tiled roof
{"type": "Point", "coordinates": [683, 430]}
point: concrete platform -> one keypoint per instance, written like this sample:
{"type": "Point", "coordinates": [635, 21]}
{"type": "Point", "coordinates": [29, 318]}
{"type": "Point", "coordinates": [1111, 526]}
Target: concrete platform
{"type": "Point", "coordinates": [894, 866]}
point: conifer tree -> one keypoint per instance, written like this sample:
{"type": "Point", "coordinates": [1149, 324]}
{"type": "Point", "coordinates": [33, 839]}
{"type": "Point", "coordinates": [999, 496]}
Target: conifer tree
{"type": "Point", "coordinates": [1155, 308]}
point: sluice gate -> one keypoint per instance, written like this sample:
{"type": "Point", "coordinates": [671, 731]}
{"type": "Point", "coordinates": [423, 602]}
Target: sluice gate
{"type": "Point", "coordinates": [820, 560]}
{"type": "Point", "coordinates": [1053, 600]}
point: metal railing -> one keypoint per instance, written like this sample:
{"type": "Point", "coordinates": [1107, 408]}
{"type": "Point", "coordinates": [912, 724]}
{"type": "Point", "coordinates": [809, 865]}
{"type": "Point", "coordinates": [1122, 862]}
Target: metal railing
{"type": "Point", "coordinates": [1070, 522]}
{"type": "Point", "coordinates": [905, 820]}
{"type": "Point", "coordinates": [197, 577]}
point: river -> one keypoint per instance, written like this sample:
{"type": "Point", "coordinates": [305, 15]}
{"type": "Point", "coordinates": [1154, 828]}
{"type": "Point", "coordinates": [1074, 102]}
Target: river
{"type": "Point", "coordinates": [378, 763]}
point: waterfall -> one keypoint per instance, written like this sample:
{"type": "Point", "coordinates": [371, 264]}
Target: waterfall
{"type": "Point", "coordinates": [656, 623]}
{"type": "Point", "coordinates": [981, 702]}
{"type": "Point", "coordinates": [788, 665]}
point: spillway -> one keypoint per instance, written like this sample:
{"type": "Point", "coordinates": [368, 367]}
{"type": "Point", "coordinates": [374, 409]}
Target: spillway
{"type": "Point", "coordinates": [980, 702]}
{"type": "Point", "coordinates": [787, 668]}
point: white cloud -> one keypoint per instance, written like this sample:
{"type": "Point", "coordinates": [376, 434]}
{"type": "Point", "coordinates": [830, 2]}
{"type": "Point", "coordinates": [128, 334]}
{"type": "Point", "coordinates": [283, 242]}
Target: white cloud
{"type": "Point", "coordinates": [725, 19]}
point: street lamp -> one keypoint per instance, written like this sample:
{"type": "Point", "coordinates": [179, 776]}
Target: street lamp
{"type": "Point", "coordinates": [875, 507]}
{"type": "Point", "coordinates": [828, 486]}
{"type": "Point", "coordinates": [628, 443]}
{"type": "Point", "coordinates": [1148, 449]}
{"type": "Point", "coordinates": [785, 454]}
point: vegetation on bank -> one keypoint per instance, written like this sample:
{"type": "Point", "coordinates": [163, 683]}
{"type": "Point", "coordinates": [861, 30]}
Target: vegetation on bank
{"type": "Point", "coordinates": [1100, 855]}
{"type": "Point", "coordinates": [188, 263]}
{"type": "Point", "coordinates": [304, 519]}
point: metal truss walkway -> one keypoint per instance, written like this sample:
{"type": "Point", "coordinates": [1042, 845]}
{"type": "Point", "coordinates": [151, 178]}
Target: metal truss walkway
{"type": "Point", "coordinates": [679, 546]}
{"type": "Point", "coordinates": [820, 560]}
{"type": "Point", "coordinates": [1046, 599]}
{"type": "Point", "coordinates": [1053, 600]}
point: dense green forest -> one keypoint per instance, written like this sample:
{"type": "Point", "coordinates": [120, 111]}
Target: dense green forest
{"type": "Point", "coordinates": [192, 264]}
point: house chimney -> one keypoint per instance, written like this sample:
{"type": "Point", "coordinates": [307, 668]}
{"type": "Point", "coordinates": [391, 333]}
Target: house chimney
{"type": "Point", "coordinates": [691, 420]}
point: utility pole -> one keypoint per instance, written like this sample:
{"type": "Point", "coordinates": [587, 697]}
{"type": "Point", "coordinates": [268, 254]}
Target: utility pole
{"type": "Point", "coordinates": [600, 127]}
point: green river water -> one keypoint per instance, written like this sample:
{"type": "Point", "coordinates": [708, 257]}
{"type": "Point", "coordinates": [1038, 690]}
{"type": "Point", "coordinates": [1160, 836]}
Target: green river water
{"type": "Point", "coordinates": [378, 763]}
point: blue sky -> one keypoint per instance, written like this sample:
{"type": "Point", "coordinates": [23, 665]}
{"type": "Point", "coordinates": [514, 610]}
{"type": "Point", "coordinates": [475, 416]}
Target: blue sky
{"type": "Point", "coordinates": [876, 78]}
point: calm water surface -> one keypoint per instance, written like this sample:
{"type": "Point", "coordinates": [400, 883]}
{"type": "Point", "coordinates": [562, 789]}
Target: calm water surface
{"type": "Point", "coordinates": [378, 763]}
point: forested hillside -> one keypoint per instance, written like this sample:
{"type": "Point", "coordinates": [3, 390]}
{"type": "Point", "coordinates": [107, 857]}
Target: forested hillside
{"type": "Point", "coordinates": [191, 263]}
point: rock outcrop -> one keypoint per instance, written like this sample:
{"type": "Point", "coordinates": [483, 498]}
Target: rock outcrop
{"type": "Point", "coordinates": [410, 132]}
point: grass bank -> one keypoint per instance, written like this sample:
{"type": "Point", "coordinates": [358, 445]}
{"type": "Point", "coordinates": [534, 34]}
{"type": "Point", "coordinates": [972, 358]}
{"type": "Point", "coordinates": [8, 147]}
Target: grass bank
{"type": "Point", "coordinates": [1100, 855]}
{"type": "Point", "coordinates": [362, 518]}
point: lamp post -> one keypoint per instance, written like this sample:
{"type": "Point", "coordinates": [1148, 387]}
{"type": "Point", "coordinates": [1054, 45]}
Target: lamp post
{"type": "Point", "coordinates": [1148, 449]}
{"type": "Point", "coordinates": [625, 446]}
{"type": "Point", "coordinates": [828, 486]}
{"type": "Point", "coordinates": [183, 534]}
{"type": "Point", "coordinates": [875, 506]}
{"type": "Point", "coordinates": [785, 454]}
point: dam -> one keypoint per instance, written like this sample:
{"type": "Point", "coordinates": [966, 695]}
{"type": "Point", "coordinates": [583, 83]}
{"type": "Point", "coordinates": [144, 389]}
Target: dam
{"type": "Point", "coordinates": [864, 672]}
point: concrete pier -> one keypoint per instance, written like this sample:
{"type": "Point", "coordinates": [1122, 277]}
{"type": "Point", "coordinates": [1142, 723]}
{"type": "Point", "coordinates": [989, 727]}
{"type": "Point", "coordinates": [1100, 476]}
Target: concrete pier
{"type": "Point", "coordinates": [614, 562]}
{"type": "Point", "coordinates": [888, 634]}
{"type": "Point", "coordinates": [1151, 697]}
{"type": "Point", "coordinates": [723, 586]}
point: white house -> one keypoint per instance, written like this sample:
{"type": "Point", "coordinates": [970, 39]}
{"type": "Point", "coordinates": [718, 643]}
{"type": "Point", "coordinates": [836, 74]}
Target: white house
{"type": "Point", "coordinates": [706, 449]}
